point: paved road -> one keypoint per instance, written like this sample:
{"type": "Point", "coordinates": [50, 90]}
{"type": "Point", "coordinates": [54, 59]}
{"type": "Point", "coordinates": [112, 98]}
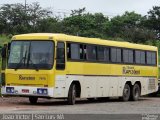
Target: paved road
{"type": "Point", "coordinates": [144, 106]}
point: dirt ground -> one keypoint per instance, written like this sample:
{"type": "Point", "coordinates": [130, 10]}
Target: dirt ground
{"type": "Point", "coordinates": [146, 105]}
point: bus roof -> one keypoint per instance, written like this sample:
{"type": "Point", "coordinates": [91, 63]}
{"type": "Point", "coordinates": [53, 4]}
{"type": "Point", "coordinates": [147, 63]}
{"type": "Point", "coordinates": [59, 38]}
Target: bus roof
{"type": "Point", "coordinates": [64, 37]}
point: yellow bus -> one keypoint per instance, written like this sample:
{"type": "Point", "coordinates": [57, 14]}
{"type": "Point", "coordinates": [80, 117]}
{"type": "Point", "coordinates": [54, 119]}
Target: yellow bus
{"type": "Point", "coordinates": [46, 65]}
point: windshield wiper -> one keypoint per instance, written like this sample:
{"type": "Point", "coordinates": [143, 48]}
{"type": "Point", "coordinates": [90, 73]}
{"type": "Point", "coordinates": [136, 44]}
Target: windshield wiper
{"type": "Point", "coordinates": [22, 59]}
{"type": "Point", "coordinates": [20, 63]}
{"type": "Point", "coordinates": [34, 65]}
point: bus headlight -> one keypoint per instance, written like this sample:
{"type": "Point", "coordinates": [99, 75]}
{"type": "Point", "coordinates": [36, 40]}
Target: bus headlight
{"type": "Point", "coordinates": [12, 90]}
{"type": "Point", "coordinates": [45, 91]}
{"type": "Point", "coordinates": [9, 89]}
{"type": "Point", "coordinates": [42, 91]}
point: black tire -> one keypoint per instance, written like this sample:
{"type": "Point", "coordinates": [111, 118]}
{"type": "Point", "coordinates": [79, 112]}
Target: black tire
{"type": "Point", "coordinates": [136, 92]}
{"type": "Point", "coordinates": [72, 95]}
{"type": "Point", "coordinates": [126, 93]}
{"type": "Point", "coordinates": [33, 100]}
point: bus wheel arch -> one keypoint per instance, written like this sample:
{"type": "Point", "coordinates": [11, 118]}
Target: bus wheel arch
{"type": "Point", "coordinates": [136, 91]}
{"type": "Point", "coordinates": [74, 91]}
{"type": "Point", "coordinates": [139, 83]}
{"type": "Point", "coordinates": [78, 87]}
{"type": "Point", "coordinates": [126, 91]}
{"type": "Point", "coordinates": [130, 84]}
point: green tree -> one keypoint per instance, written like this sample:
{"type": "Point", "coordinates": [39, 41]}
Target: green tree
{"type": "Point", "coordinates": [18, 19]}
{"type": "Point", "coordinates": [129, 27]}
{"type": "Point", "coordinates": [85, 24]}
{"type": "Point", "coordinates": [127, 20]}
{"type": "Point", "coordinates": [153, 20]}
{"type": "Point", "coordinates": [133, 27]}
{"type": "Point", "coordinates": [50, 25]}
{"type": "Point", "coordinates": [12, 16]}
{"type": "Point", "coordinates": [36, 13]}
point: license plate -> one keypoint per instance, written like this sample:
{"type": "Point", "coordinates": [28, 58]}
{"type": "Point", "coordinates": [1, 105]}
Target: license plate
{"type": "Point", "coordinates": [25, 91]}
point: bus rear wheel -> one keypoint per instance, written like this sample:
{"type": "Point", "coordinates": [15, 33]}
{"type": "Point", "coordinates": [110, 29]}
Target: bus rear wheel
{"type": "Point", "coordinates": [126, 93]}
{"type": "Point", "coordinates": [136, 91]}
{"type": "Point", "coordinates": [72, 95]}
{"type": "Point", "coordinates": [33, 100]}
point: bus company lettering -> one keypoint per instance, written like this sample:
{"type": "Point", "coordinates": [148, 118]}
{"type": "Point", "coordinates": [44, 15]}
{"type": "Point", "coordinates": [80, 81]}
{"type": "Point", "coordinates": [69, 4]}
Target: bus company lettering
{"type": "Point", "coordinates": [21, 77]}
{"type": "Point", "coordinates": [129, 70]}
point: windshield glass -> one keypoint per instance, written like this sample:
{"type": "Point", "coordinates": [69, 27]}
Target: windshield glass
{"type": "Point", "coordinates": [31, 55]}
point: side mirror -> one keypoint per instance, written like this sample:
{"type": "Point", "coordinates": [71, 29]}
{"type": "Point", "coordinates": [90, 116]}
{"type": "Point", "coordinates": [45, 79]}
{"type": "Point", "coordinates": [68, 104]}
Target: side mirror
{"type": "Point", "coordinates": [4, 51]}
{"type": "Point", "coordinates": [9, 46]}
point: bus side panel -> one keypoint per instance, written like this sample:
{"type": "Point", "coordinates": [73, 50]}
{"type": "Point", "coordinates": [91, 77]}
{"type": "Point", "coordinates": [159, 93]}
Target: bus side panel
{"type": "Point", "coordinates": [60, 85]}
{"type": "Point", "coordinates": [103, 86]}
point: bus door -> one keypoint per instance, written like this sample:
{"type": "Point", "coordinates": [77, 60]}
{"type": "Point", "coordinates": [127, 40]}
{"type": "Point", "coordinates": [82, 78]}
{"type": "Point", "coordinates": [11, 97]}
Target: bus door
{"type": "Point", "coordinates": [60, 69]}
{"type": "Point", "coordinates": [60, 58]}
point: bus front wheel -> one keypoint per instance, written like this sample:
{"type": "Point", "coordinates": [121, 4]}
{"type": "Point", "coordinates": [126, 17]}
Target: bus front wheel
{"type": "Point", "coordinates": [126, 93]}
{"type": "Point", "coordinates": [136, 91]}
{"type": "Point", "coordinates": [72, 95]}
{"type": "Point", "coordinates": [33, 100]}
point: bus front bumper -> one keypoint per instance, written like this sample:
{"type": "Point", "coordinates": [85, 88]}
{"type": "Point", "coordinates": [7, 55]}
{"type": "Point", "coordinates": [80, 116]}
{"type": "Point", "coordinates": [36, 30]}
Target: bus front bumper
{"type": "Point", "coordinates": [27, 91]}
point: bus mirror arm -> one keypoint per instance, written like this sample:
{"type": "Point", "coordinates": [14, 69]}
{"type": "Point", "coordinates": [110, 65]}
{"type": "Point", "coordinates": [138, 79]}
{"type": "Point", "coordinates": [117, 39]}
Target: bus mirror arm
{"type": "Point", "coordinates": [4, 52]}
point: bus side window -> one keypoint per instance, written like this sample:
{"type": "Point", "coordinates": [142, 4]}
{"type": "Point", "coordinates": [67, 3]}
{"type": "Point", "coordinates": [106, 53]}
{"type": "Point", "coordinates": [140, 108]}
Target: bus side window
{"type": "Point", "coordinates": [84, 52]}
{"type": "Point", "coordinates": [107, 55]}
{"type": "Point", "coordinates": [81, 52]}
{"type": "Point", "coordinates": [75, 51]}
{"type": "Point", "coordinates": [154, 58]}
{"type": "Point", "coordinates": [91, 53]}
{"type": "Point", "coordinates": [137, 57]}
{"type": "Point", "coordinates": [116, 55]}
{"type": "Point", "coordinates": [60, 63]}
{"type": "Point", "coordinates": [151, 58]}
{"type": "Point", "coordinates": [69, 51]}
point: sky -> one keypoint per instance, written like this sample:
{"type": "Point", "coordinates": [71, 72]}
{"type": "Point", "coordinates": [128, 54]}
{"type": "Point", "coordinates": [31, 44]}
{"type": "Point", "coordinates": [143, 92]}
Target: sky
{"type": "Point", "coordinates": [107, 7]}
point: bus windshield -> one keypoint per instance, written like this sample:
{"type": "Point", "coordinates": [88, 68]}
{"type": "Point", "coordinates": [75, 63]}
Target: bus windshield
{"type": "Point", "coordinates": [31, 55]}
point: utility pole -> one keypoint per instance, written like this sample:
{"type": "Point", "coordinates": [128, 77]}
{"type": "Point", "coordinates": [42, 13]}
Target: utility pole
{"type": "Point", "coordinates": [53, 8]}
{"type": "Point", "coordinates": [25, 5]}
